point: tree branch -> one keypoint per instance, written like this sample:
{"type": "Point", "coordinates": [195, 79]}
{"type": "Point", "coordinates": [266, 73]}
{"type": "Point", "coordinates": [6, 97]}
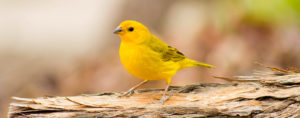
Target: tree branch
{"type": "Point", "coordinates": [268, 96]}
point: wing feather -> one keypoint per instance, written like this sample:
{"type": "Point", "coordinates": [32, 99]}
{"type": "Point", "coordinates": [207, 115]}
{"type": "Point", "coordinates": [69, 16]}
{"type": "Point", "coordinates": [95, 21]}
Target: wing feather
{"type": "Point", "coordinates": [167, 53]}
{"type": "Point", "coordinates": [172, 54]}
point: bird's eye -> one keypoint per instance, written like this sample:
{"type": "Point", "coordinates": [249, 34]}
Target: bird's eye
{"type": "Point", "coordinates": [130, 29]}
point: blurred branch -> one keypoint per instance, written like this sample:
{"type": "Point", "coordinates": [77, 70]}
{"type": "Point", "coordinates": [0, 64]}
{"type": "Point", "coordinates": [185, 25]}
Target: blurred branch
{"type": "Point", "coordinates": [249, 99]}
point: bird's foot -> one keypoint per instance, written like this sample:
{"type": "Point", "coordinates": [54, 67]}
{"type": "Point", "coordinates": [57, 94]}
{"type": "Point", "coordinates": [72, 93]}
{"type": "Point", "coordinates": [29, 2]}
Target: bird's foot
{"type": "Point", "coordinates": [163, 99]}
{"type": "Point", "coordinates": [127, 93]}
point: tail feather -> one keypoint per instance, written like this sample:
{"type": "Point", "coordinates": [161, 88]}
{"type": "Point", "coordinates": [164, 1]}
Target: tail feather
{"type": "Point", "coordinates": [192, 63]}
{"type": "Point", "coordinates": [204, 65]}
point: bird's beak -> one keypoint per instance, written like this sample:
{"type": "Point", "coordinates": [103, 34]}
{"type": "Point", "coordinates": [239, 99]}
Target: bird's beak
{"type": "Point", "coordinates": [117, 30]}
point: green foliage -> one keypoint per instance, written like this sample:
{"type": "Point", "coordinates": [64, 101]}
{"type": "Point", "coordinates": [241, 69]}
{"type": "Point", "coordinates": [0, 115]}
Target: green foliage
{"type": "Point", "coordinates": [272, 11]}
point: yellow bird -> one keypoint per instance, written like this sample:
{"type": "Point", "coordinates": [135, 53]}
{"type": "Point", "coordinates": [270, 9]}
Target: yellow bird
{"type": "Point", "coordinates": [147, 57]}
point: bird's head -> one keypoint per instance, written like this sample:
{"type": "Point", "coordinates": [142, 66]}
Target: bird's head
{"type": "Point", "coordinates": [132, 31]}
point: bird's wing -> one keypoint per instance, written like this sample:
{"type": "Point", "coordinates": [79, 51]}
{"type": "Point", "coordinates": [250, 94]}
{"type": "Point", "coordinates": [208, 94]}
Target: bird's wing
{"type": "Point", "coordinates": [167, 53]}
{"type": "Point", "coordinates": [172, 54]}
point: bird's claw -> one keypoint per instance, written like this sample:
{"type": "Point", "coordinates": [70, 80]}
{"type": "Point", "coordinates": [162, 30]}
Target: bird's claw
{"type": "Point", "coordinates": [163, 99]}
{"type": "Point", "coordinates": [128, 93]}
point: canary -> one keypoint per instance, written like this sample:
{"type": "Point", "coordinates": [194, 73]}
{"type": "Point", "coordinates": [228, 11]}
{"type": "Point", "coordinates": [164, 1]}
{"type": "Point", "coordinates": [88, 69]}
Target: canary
{"type": "Point", "coordinates": [147, 57]}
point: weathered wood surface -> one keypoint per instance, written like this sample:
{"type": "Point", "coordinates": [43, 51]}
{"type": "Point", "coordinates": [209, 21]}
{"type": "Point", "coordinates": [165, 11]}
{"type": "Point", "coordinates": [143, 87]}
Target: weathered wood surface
{"type": "Point", "coordinates": [271, 95]}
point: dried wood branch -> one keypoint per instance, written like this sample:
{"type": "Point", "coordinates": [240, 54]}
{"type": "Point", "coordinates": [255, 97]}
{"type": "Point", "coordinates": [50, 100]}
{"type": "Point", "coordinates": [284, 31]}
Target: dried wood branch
{"type": "Point", "coordinates": [267, 96]}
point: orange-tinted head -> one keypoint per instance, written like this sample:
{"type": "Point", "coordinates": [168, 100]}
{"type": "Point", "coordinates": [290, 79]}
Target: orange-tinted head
{"type": "Point", "coordinates": [132, 31]}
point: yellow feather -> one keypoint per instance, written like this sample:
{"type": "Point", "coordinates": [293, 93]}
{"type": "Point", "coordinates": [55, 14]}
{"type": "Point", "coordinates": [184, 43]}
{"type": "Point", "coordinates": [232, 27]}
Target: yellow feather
{"type": "Point", "coordinates": [147, 57]}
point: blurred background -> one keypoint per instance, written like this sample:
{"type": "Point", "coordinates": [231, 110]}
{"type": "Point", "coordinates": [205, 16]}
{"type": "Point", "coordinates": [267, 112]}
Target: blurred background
{"type": "Point", "coordinates": [65, 48]}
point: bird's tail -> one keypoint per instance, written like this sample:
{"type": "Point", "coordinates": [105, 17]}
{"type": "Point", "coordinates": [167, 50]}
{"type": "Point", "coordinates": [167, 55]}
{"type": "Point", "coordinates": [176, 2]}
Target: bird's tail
{"type": "Point", "coordinates": [192, 63]}
{"type": "Point", "coordinates": [204, 65]}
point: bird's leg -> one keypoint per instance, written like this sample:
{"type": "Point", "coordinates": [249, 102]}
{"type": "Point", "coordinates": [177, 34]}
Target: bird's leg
{"type": "Point", "coordinates": [164, 97]}
{"type": "Point", "coordinates": [130, 91]}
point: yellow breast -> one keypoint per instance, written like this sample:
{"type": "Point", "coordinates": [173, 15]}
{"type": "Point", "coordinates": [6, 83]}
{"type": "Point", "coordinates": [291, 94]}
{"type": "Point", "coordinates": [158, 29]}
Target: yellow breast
{"type": "Point", "coordinates": [144, 63]}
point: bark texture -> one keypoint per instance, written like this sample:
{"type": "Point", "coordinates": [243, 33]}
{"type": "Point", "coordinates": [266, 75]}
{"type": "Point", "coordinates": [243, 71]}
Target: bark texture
{"type": "Point", "coordinates": [259, 96]}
